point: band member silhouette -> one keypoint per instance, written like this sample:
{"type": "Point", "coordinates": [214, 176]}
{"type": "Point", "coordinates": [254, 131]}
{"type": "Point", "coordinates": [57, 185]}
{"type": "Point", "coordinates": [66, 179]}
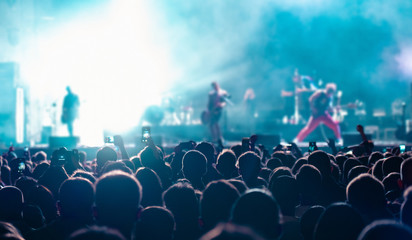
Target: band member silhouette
{"type": "Point", "coordinates": [70, 109]}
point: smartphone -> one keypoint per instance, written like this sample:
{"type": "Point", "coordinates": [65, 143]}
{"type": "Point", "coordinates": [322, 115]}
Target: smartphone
{"type": "Point", "coordinates": [312, 147]}
{"type": "Point", "coordinates": [245, 145]}
{"type": "Point", "coordinates": [402, 148]}
{"type": "Point", "coordinates": [145, 134]}
{"type": "Point", "coordinates": [109, 139]}
{"type": "Point", "coordinates": [21, 165]}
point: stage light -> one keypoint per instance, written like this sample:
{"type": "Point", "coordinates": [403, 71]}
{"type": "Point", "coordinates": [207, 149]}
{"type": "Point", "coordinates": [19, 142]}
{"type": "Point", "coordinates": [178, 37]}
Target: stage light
{"type": "Point", "coordinates": [112, 58]}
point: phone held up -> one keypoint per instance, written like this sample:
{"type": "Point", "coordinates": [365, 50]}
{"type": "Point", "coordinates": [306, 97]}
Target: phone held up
{"type": "Point", "coordinates": [109, 139]}
{"type": "Point", "coordinates": [312, 147]}
{"type": "Point", "coordinates": [145, 134]}
{"type": "Point", "coordinates": [402, 148]}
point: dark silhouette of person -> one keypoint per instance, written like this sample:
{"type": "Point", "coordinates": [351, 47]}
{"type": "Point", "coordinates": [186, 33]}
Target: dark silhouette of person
{"type": "Point", "coordinates": [103, 156]}
{"type": "Point", "coordinates": [76, 197]}
{"type": "Point", "coordinates": [194, 168]}
{"type": "Point", "coordinates": [226, 164]}
{"type": "Point", "coordinates": [258, 210]}
{"type": "Point", "coordinates": [182, 201]}
{"type": "Point", "coordinates": [97, 233]}
{"type": "Point", "coordinates": [230, 231]}
{"type": "Point", "coordinates": [309, 183]}
{"type": "Point", "coordinates": [210, 153]}
{"type": "Point", "coordinates": [70, 109]}
{"type": "Point", "coordinates": [11, 207]}
{"type": "Point", "coordinates": [386, 230]}
{"type": "Point", "coordinates": [43, 198]}
{"type": "Point", "coordinates": [155, 223]}
{"type": "Point", "coordinates": [309, 220]}
{"type": "Point", "coordinates": [331, 190]}
{"type": "Point", "coordinates": [339, 221]}
{"type": "Point", "coordinates": [152, 157]}
{"type": "Point", "coordinates": [216, 203]}
{"type": "Point", "coordinates": [406, 209]}
{"type": "Point", "coordinates": [406, 170]}
{"type": "Point", "coordinates": [151, 187]}
{"type": "Point", "coordinates": [285, 191]}
{"type": "Point", "coordinates": [249, 165]}
{"type": "Point", "coordinates": [367, 195]}
{"type": "Point", "coordinates": [117, 200]}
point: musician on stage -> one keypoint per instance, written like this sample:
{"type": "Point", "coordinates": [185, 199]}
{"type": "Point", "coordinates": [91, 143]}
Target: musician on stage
{"type": "Point", "coordinates": [320, 104]}
{"type": "Point", "coordinates": [70, 109]}
{"type": "Point", "coordinates": [215, 105]}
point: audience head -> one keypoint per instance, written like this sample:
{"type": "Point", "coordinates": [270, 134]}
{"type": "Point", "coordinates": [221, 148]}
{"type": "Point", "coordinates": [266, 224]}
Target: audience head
{"type": "Point", "coordinates": [117, 165]}
{"type": "Point", "coordinates": [43, 198]}
{"type": "Point", "coordinates": [151, 187]}
{"type": "Point", "coordinates": [280, 171]}
{"type": "Point", "coordinates": [406, 173]}
{"type": "Point", "coordinates": [338, 221]}
{"type": "Point", "coordinates": [194, 165]}
{"type": "Point", "coordinates": [230, 231]}
{"type": "Point", "coordinates": [273, 163]}
{"type": "Point", "coordinates": [285, 191]}
{"type": "Point", "coordinates": [391, 164]}
{"type": "Point", "coordinates": [96, 233]}
{"type": "Point", "coordinates": [385, 230]}
{"type": "Point", "coordinates": [104, 155]}
{"type": "Point", "coordinates": [356, 171]}
{"type": "Point", "coordinates": [11, 206]}
{"type": "Point", "coordinates": [40, 169]}
{"type": "Point", "coordinates": [182, 201]}
{"type": "Point", "coordinates": [321, 161]}
{"type": "Point", "coordinates": [216, 202]}
{"type": "Point", "coordinates": [76, 197]}
{"type": "Point", "coordinates": [239, 185]}
{"type": "Point", "coordinates": [372, 203]}
{"type": "Point", "coordinates": [309, 181]}
{"type": "Point", "coordinates": [155, 223]}
{"type": "Point", "coordinates": [226, 163]}
{"type": "Point", "coordinates": [83, 174]}
{"type": "Point", "coordinates": [249, 165]}
{"type": "Point", "coordinates": [347, 166]}
{"type": "Point", "coordinates": [258, 210]}
{"type": "Point", "coordinates": [406, 209]}
{"type": "Point", "coordinates": [377, 169]}
{"type": "Point", "coordinates": [308, 221]}
{"type": "Point", "coordinates": [208, 150]}
{"type": "Point", "coordinates": [39, 156]}
{"type": "Point", "coordinates": [374, 157]}
{"type": "Point", "coordinates": [52, 178]}
{"type": "Point", "coordinates": [118, 197]}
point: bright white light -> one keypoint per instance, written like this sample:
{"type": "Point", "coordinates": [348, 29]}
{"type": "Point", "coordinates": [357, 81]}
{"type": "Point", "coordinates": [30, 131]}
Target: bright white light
{"type": "Point", "coordinates": [114, 59]}
{"type": "Point", "coordinates": [404, 60]}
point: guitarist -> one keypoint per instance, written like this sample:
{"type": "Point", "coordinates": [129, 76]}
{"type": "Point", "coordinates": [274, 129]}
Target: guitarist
{"type": "Point", "coordinates": [215, 105]}
{"type": "Point", "coordinates": [70, 109]}
{"type": "Point", "coordinates": [320, 104]}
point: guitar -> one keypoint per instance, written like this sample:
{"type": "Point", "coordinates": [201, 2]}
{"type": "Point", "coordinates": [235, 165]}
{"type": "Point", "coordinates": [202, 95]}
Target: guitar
{"type": "Point", "coordinates": [207, 115]}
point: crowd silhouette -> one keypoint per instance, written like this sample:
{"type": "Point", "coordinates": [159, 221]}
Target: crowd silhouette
{"type": "Point", "coordinates": [201, 191]}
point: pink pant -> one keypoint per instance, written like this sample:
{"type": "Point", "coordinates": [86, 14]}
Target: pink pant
{"type": "Point", "coordinates": [314, 122]}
